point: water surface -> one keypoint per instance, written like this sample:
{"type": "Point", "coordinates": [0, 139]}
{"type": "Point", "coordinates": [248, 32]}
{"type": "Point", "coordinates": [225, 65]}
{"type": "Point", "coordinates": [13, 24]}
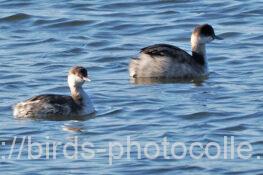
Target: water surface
{"type": "Point", "coordinates": [41, 40]}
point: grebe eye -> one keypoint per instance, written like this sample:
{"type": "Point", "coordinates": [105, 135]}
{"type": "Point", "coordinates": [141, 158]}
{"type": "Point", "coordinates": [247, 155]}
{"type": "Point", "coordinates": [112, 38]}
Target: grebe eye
{"type": "Point", "coordinates": [83, 72]}
{"type": "Point", "coordinates": [208, 30]}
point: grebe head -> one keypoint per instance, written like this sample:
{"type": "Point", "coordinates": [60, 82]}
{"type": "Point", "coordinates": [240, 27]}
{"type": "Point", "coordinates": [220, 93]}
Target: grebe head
{"type": "Point", "coordinates": [203, 34]}
{"type": "Point", "coordinates": [77, 76]}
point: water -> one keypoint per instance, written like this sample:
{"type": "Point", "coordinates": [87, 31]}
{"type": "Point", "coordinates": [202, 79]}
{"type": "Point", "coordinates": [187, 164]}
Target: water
{"type": "Point", "coordinates": [41, 40]}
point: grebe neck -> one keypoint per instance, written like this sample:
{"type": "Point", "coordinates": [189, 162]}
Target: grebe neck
{"type": "Point", "coordinates": [198, 51]}
{"type": "Point", "coordinates": [79, 96]}
{"type": "Point", "coordinates": [82, 99]}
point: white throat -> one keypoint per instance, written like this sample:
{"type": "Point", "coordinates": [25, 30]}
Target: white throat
{"type": "Point", "coordinates": [197, 45]}
{"type": "Point", "coordinates": [77, 92]}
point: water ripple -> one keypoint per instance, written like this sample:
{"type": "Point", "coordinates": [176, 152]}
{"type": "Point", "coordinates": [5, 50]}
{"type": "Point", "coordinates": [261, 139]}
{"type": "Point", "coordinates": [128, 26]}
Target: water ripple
{"type": "Point", "coordinates": [41, 40]}
{"type": "Point", "coordinates": [15, 17]}
{"type": "Point", "coordinates": [73, 23]}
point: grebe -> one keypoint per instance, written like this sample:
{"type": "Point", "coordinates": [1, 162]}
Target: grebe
{"type": "Point", "coordinates": [51, 105]}
{"type": "Point", "coordinates": [168, 61]}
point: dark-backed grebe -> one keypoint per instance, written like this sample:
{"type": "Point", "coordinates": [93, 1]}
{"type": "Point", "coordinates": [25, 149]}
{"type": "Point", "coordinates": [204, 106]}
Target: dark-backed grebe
{"type": "Point", "coordinates": [168, 61]}
{"type": "Point", "coordinates": [50, 105]}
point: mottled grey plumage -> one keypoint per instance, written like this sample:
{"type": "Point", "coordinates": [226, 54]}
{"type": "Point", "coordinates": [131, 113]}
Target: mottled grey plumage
{"type": "Point", "coordinates": [49, 105]}
{"type": "Point", "coordinates": [59, 106]}
{"type": "Point", "coordinates": [165, 61]}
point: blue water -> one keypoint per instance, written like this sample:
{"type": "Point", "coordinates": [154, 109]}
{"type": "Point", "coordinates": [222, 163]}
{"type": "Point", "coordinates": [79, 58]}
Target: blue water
{"type": "Point", "coordinates": [41, 40]}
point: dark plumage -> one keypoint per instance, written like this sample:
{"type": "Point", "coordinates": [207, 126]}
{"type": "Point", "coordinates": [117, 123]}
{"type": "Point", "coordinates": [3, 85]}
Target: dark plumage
{"type": "Point", "coordinates": [167, 50]}
{"type": "Point", "coordinates": [79, 71]}
{"type": "Point", "coordinates": [58, 100]}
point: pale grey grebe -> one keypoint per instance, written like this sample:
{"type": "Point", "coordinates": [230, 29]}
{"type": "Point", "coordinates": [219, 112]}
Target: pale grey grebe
{"type": "Point", "coordinates": [168, 61]}
{"type": "Point", "coordinates": [50, 105]}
